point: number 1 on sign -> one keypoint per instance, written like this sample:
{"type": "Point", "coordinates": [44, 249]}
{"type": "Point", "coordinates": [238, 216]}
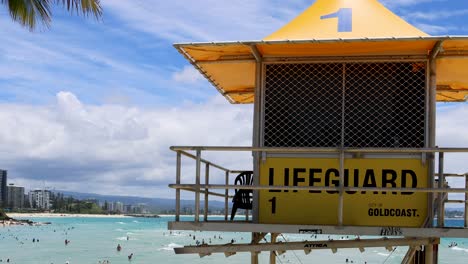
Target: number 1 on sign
{"type": "Point", "coordinates": [273, 205]}
{"type": "Point", "coordinates": [345, 19]}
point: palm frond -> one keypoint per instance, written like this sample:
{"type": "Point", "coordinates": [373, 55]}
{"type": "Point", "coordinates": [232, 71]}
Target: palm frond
{"type": "Point", "coordinates": [83, 7]}
{"type": "Point", "coordinates": [28, 12]}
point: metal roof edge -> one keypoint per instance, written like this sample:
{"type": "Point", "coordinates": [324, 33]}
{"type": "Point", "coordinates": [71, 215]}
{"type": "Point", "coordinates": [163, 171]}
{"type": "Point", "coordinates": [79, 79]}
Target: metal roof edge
{"type": "Point", "coordinates": [299, 41]}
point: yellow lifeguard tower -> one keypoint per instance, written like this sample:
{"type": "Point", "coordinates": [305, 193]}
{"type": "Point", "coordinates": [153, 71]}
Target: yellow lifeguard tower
{"type": "Point", "coordinates": [343, 135]}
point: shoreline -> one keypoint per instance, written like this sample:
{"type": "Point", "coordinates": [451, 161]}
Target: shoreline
{"type": "Point", "coordinates": [21, 222]}
{"type": "Point", "coordinates": [26, 215]}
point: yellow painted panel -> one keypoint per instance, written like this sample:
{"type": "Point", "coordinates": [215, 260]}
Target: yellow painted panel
{"type": "Point", "coordinates": [452, 97]}
{"type": "Point", "coordinates": [214, 52]}
{"type": "Point", "coordinates": [247, 98]}
{"type": "Point", "coordinates": [234, 77]}
{"type": "Point", "coordinates": [360, 209]}
{"type": "Point", "coordinates": [332, 19]}
{"type": "Point", "coordinates": [455, 45]}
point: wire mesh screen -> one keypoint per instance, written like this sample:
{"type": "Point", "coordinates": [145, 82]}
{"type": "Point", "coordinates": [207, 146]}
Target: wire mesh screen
{"type": "Point", "coordinates": [384, 105]}
{"type": "Point", "coordinates": [303, 105]}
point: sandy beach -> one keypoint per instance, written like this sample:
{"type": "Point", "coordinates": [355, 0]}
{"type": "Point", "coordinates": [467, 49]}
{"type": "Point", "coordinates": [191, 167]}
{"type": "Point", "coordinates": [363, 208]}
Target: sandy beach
{"type": "Point", "coordinates": [26, 215]}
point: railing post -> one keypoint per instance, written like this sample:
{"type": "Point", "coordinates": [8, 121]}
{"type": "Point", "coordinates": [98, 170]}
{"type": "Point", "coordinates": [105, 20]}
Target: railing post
{"type": "Point", "coordinates": [441, 213]}
{"type": "Point", "coordinates": [432, 92]}
{"type": "Point", "coordinates": [273, 253]}
{"type": "Point", "coordinates": [178, 163]}
{"type": "Point", "coordinates": [207, 181]}
{"type": "Point", "coordinates": [197, 187]}
{"type": "Point", "coordinates": [466, 201]}
{"type": "Point", "coordinates": [341, 191]}
{"type": "Point", "coordinates": [226, 197]}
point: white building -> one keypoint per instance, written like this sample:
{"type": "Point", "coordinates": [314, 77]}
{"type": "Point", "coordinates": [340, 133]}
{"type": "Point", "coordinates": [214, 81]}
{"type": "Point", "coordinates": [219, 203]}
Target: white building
{"type": "Point", "coordinates": [40, 199]}
{"type": "Point", "coordinates": [118, 207]}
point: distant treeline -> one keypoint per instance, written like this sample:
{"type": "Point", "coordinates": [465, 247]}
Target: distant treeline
{"type": "Point", "coordinates": [62, 204]}
{"type": "Point", "coordinates": [453, 214]}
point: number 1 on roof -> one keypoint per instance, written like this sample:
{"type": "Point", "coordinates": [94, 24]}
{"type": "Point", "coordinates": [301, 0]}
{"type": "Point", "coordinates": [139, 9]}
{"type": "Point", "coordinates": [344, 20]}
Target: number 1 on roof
{"type": "Point", "coordinates": [345, 19]}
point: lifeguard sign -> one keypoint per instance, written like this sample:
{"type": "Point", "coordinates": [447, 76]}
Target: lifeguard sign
{"type": "Point", "coordinates": [374, 208]}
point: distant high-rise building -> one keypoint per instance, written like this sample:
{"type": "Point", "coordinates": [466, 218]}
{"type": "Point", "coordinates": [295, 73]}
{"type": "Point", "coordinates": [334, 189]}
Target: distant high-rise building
{"type": "Point", "coordinates": [3, 188]}
{"type": "Point", "coordinates": [128, 209]}
{"type": "Point", "coordinates": [15, 197]}
{"type": "Point", "coordinates": [110, 207]}
{"type": "Point", "coordinates": [40, 199]}
{"type": "Point", "coordinates": [140, 208]}
{"type": "Point", "coordinates": [26, 201]}
{"type": "Point", "coordinates": [118, 207]}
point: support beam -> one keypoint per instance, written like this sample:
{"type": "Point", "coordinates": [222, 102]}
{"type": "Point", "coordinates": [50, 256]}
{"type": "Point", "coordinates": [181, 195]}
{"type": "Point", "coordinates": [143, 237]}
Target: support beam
{"type": "Point", "coordinates": [248, 91]}
{"type": "Point", "coordinates": [197, 186]}
{"type": "Point", "coordinates": [207, 181]}
{"type": "Point", "coordinates": [409, 257]}
{"type": "Point", "coordinates": [466, 202]}
{"type": "Point", "coordinates": [300, 150]}
{"type": "Point", "coordinates": [317, 188]}
{"type": "Point", "coordinates": [429, 257]}
{"type": "Point", "coordinates": [245, 59]}
{"type": "Point", "coordinates": [256, 53]}
{"type": "Point", "coordinates": [254, 258]}
{"type": "Point", "coordinates": [273, 253]}
{"type": "Point", "coordinates": [315, 245]}
{"type": "Point", "coordinates": [438, 47]}
{"type": "Point", "coordinates": [441, 196]}
{"type": "Point", "coordinates": [242, 226]}
{"type": "Point", "coordinates": [210, 193]}
{"type": "Point", "coordinates": [178, 165]}
{"type": "Point", "coordinates": [226, 197]}
{"type": "Point", "coordinates": [256, 238]}
{"type": "Point", "coordinates": [257, 126]}
{"type": "Point", "coordinates": [450, 90]}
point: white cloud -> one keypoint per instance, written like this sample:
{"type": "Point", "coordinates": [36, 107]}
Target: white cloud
{"type": "Point", "coordinates": [395, 3]}
{"type": "Point", "coordinates": [435, 15]}
{"type": "Point", "coordinates": [114, 149]}
{"type": "Point", "coordinates": [434, 29]}
{"type": "Point", "coordinates": [97, 71]}
{"type": "Point", "coordinates": [187, 75]}
{"type": "Point", "coordinates": [452, 123]}
{"type": "Point", "coordinates": [205, 20]}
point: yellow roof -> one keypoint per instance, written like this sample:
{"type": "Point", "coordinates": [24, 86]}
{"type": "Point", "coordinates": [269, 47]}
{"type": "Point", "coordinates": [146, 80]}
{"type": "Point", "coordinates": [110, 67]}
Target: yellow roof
{"type": "Point", "coordinates": [332, 29]}
{"type": "Point", "coordinates": [327, 19]}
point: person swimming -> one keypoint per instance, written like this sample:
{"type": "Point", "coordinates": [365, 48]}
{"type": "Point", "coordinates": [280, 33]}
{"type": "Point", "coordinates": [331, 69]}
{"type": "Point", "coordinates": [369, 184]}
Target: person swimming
{"type": "Point", "coordinates": [119, 248]}
{"type": "Point", "coordinates": [453, 244]}
{"type": "Point", "coordinates": [130, 256]}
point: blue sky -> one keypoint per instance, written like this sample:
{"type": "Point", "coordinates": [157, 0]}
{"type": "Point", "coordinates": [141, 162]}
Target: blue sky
{"type": "Point", "coordinates": [94, 105]}
{"type": "Point", "coordinates": [128, 56]}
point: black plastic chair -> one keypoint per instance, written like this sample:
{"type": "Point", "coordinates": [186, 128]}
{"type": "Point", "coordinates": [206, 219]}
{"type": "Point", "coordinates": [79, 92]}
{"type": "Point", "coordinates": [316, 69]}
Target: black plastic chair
{"type": "Point", "coordinates": [242, 198]}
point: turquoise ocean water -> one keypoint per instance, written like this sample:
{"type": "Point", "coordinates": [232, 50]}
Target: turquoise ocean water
{"type": "Point", "coordinates": [95, 239]}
